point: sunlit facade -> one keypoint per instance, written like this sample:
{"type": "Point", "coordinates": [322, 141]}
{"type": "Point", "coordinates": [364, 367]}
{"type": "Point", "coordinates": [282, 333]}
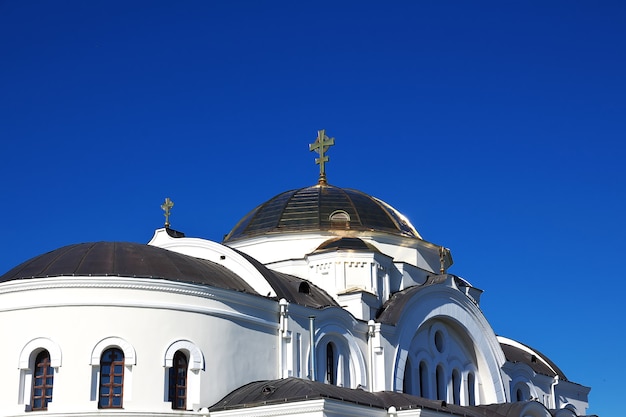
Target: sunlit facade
{"type": "Point", "coordinates": [322, 301]}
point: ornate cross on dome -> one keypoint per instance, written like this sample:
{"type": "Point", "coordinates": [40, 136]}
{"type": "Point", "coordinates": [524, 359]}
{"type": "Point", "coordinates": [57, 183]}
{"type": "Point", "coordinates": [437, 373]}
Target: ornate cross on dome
{"type": "Point", "coordinates": [321, 145]}
{"type": "Point", "coordinates": [443, 252]}
{"type": "Point", "coordinates": [167, 206]}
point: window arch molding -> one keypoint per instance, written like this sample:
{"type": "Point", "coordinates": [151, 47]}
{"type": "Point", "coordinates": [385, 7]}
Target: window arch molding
{"type": "Point", "coordinates": [130, 358]}
{"type": "Point", "coordinates": [447, 304]}
{"type": "Point", "coordinates": [196, 358]}
{"type": "Point", "coordinates": [341, 359]}
{"type": "Point", "coordinates": [196, 364]}
{"type": "Point", "coordinates": [522, 390]}
{"type": "Point", "coordinates": [345, 342]}
{"type": "Point", "coordinates": [36, 345]}
{"type": "Point", "coordinates": [27, 365]}
{"type": "Point", "coordinates": [424, 378]}
{"type": "Point", "coordinates": [442, 382]}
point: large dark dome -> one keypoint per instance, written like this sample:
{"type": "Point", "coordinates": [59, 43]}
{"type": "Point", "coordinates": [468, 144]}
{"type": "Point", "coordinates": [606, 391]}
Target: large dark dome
{"type": "Point", "coordinates": [321, 208]}
{"type": "Point", "coordinates": [127, 259]}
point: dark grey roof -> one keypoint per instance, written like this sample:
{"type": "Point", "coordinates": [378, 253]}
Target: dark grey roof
{"type": "Point", "coordinates": [291, 288]}
{"type": "Point", "coordinates": [128, 260]}
{"type": "Point", "coordinates": [138, 260]}
{"type": "Point", "coordinates": [295, 389]}
{"type": "Point", "coordinates": [515, 354]}
{"type": "Point", "coordinates": [310, 209]}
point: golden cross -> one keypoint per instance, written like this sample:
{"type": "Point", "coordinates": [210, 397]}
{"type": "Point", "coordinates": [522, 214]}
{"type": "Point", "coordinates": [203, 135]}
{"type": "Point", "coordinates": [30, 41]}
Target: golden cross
{"type": "Point", "coordinates": [167, 206]}
{"type": "Point", "coordinates": [442, 259]}
{"type": "Point", "coordinates": [321, 145]}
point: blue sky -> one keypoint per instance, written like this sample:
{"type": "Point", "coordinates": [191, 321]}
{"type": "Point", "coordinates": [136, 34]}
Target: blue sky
{"type": "Point", "coordinates": [497, 128]}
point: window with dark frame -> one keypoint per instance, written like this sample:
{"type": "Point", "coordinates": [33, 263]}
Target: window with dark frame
{"type": "Point", "coordinates": [471, 394]}
{"type": "Point", "coordinates": [111, 379]}
{"type": "Point", "coordinates": [440, 384]}
{"type": "Point", "coordinates": [423, 379]}
{"type": "Point", "coordinates": [456, 387]}
{"type": "Point", "coordinates": [42, 382]}
{"type": "Point", "coordinates": [407, 384]}
{"type": "Point", "coordinates": [331, 368]}
{"type": "Point", "coordinates": [178, 381]}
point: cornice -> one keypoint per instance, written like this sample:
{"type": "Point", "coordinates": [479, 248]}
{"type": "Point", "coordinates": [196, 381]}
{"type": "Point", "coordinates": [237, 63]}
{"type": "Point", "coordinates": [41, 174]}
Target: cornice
{"type": "Point", "coordinates": [248, 301]}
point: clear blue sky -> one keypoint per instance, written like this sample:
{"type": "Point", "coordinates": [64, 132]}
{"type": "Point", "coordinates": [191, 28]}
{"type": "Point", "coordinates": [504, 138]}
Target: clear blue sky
{"type": "Point", "coordinates": [497, 127]}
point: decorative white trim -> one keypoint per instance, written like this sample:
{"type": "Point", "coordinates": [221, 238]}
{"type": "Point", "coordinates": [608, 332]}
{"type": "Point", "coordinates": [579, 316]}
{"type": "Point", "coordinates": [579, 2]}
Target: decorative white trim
{"type": "Point", "coordinates": [146, 284]}
{"type": "Point", "coordinates": [40, 343]}
{"type": "Point", "coordinates": [215, 252]}
{"type": "Point", "coordinates": [129, 351]}
{"type": "Point", "coordinates": [527, 349]}
{"type": "Point", "coordinates": [196, 357]}
{"type": "Point", "coordinates": [446, 302]}
{"type": "Point", "coordinates": [347, 348]}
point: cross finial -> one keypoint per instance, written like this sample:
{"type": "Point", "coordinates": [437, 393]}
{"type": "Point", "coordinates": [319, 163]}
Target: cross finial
{"type": "Point", "coordinates": [321, 145]}
{"type": "Point", "coordinates": [167, 206]}
{"type": "Point", "coordinates": [442, 259]}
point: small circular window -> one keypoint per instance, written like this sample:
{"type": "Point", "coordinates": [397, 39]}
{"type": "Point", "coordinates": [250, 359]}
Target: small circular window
{"type": "Point", "coordinates": [439, 341]}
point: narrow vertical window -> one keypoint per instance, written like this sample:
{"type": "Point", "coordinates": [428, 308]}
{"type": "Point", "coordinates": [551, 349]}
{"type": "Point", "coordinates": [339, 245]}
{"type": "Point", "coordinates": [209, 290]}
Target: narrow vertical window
{"type": "Point", "coordinates": [298, 355]}
{"type": "Point", "coordinates": [423, 371]}
{"type": "Point", "coordinates": [441, 384]}
{"type": "Point", "coordinates": [331, 365]}
{"type": "Point", "coordinates": [408, 378]}
{"type": "Point", "coordinates": [178, 381]}
{"type": "Point", "coordinates": [471, 395]}
{"type": "Point", "coordinates": [456, 387]}
{"type": "Point", "coordinates": [42, 382]}
{"type": "Point", "coordinates": [111, 379]}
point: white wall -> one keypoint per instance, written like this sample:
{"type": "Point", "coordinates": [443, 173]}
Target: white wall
{"type": "Point", "coordinates": [235, 332]}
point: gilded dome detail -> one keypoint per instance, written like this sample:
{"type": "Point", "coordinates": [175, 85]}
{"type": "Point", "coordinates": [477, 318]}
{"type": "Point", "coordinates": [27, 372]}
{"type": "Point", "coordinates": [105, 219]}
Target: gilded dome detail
{"type": "Point", "coordinates": [321, 208]}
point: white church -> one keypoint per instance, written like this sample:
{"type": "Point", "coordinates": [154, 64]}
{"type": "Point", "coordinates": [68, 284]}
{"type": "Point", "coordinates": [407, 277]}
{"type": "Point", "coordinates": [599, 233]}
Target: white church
{"type": "Point", "coordinates": [321, 301]}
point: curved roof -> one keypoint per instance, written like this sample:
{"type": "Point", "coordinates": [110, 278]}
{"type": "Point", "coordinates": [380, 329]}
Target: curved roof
{"type": "Point", "coordinates": [127, 260]}
{"type": "Point", "coordinates": [345, 243]}
{"type": "Point", "coordinates": [322, 207]}
{"type": "Point", "coordinates": [291, 288]}
{"type": "Point", "coordinates": [144, 261]}
{"type": "Point", "coordinates": [391, 312]}
{"type": "Point", "coordinates": [517, 352]}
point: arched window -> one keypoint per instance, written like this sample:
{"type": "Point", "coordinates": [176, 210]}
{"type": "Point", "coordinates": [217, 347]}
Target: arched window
{"type": "Point", "coordinates": [111, 379]}
{"type": "Point", "coordinates": [441, 383]}
{"type": "Point", "coordinates": [471, 394]}
{"type": "Point", "coordinates": [331, 364]}
{"type": "Point", "coordinates": [183, 362]}
{"type": "Point", "coordinates": [519, 395]}
{"type": "Point", "coordinates": [456, 387]}
{"type": "Point", "coordinates": [38, 361]}
{"type": "Point", "coordinates": [423, 371]}
{"type": "Point", "coordinates": [407, 387]}
{"type": "Point", "coordinates": [42, 382]}
{"type": "Point", "coordinates": [178, 381]}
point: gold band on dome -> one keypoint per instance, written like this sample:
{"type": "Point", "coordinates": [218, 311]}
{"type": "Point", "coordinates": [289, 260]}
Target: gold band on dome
{"type": "Point", "coordinates": [321, 145]}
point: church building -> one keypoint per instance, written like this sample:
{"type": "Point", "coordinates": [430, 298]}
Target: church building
{"type": "Point", "coordinates": [321, 301]}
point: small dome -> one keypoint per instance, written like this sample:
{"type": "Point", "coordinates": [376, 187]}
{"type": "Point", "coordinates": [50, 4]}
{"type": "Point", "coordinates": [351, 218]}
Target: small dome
{"type": "Point", "coordinates": [322, 208]}
{"type": "Point", "coordinates": [346, 243]}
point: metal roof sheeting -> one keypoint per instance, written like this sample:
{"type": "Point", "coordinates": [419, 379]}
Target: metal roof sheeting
{"type": "Point", "coordinates": [310, 209]}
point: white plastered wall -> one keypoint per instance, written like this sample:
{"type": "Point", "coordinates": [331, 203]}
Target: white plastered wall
{"type": "Point", "coordinates": [235, 333]}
